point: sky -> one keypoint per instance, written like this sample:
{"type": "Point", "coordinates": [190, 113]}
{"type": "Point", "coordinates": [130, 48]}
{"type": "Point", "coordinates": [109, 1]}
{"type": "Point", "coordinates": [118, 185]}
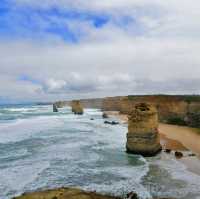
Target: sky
{"type": "Point", "coordinates": [65, 49]}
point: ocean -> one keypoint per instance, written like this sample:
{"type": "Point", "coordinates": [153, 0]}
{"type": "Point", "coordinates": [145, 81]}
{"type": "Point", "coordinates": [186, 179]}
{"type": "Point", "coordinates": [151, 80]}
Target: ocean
{"type": "Point", "coordinates": [40, 149]}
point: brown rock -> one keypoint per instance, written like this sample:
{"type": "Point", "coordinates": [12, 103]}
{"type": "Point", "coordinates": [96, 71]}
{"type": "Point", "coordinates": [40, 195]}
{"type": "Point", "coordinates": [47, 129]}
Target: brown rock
{"type": "Point", "coordinates": [64, 193]}
{"type": "Point", "coordinates": [104, 115]}
{"type": "Point", "coordinates": [178, 154]}
{"type": "Point", "coordinates": [192, 155]}
{"type": "Point", "coordinates": [132, 195]}
{"type": "Point", "coordinates": [168, 150]}
{"type": "Point", "coordinates": [76, 107]}
{"type": "Point", "coordinates": [142, 136]}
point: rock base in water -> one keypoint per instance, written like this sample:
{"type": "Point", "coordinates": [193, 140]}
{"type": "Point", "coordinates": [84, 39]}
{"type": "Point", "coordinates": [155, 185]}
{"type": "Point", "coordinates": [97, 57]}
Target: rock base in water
{"type": "Point", "coordinates": [142, 136]}
{"type": "Point", "coordinates": [64, 193]}
{"type": "Point", "coordinates": [146, 146]}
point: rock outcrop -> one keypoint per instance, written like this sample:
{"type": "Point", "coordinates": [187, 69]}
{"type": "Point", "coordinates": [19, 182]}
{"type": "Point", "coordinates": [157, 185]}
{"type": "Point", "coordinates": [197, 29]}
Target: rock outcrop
{"type": "Point", "coordinates": [64, 193]}
{"type": "Point", "coordinates": [142, 136]}
{"type": "Point", "coordinates": [77, 107]}
{"type": "Point", "coordinates": [55, 109]}
{"type": "Point", "coordinates": [71, 193]}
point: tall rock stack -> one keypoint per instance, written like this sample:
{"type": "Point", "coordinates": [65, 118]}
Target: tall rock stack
{"type": "Point", "coordinates": [142, 136]}
{"type": "Point", "coordinates": [55, 109]}
{"type": "Point", "coordinates": [76, 107]}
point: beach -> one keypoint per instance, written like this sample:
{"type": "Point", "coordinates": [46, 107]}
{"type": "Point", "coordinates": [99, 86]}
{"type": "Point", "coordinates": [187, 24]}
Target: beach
{"type": "Point", "coordinates": [176, 138]}
{"type": "Point", "coordinates": [184, 139]}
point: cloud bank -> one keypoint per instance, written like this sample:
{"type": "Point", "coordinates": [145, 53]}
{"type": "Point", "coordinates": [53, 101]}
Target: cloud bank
{"type": "Point", "coordinates": [66, 49]}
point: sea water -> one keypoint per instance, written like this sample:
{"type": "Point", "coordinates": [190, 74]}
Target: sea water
{"type": "Point", "coordinates": [40, 149]}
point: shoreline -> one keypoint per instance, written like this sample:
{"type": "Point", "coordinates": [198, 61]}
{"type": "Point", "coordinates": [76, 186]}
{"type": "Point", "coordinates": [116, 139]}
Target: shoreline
{"type": "Point", "coordinates": [176, 138]}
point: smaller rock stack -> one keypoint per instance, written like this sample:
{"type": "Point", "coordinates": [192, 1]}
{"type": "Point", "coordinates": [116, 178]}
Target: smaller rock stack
{"type": "Point", "coordinates": [76, 107]}
{"type": "Point", "coordinates": [142, 136]}
{"type": "Point", "coordinates": [55, 109]}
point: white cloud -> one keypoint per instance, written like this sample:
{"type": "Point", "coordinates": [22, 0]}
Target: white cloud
{"type": "Point", "coordinates": [111, 60]}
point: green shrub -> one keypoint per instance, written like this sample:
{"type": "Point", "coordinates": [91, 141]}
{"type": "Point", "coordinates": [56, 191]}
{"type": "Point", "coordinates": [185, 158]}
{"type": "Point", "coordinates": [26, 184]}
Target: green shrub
{"type": "Point", "coordinates": [176, 120]}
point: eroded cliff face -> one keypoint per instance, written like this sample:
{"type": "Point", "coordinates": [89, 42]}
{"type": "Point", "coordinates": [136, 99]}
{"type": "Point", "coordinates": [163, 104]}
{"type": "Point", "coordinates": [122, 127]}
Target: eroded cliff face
{"type": "Point", "coordinates": [77, 107]}
{"type": "Point", "coordinates": [112, 103]}
{"type": "Point", "coordinates": [92, 103]}
{"type": "Point", "coordinates": [171, 109]}
{"type": "Point", "coordinates": [142, 136]}
{"type": "Point", "coordinates": [182, 110]}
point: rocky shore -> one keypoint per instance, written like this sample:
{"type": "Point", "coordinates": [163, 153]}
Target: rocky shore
{"type": "Point", "coordinates": [65, 193]}
{"type": "Point", "coordinates": [73, 193]}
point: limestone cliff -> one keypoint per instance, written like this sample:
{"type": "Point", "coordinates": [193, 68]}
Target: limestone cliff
{"type": "Point", "coordinates": [142, 136]}
{"type": "Point", "coordinates": [183, 110]}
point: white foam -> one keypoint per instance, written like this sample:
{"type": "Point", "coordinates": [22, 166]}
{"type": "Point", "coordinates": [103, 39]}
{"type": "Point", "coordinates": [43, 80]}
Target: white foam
{"type": "Point", "coordinates": [179, 171]}
{"type": "Point", "coordinates": [17, 177]}
{"type": "Point", "coordinates": [24, 128]}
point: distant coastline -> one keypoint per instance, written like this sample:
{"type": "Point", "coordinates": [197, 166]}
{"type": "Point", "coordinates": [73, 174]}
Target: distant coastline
{"type": "Point", "coordinates": [181, 110]}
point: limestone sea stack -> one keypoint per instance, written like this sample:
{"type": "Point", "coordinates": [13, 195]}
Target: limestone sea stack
{"type": "Point", "coordinates": [142, 136]}
{"type": "Point", "coordinates": [77, 107]}
{"type": "Point", "coordinates": [55, 109]}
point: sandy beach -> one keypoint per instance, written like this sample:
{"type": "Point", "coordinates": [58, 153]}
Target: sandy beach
{"type": "Point", "coordinates": [176, 138]}
{"type": "Point", "coordinates": [188, 137]}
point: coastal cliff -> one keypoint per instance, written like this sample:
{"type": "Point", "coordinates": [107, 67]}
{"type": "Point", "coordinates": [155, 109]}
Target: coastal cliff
{"type": "Point", "coordinates": [181, 110]}
{"type": "Point", "coordinates": [172, 109]}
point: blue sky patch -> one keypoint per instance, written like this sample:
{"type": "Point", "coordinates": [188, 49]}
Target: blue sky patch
{"type": "Point", "coordinates": [27, 22]}
{"type": "Point", "coordinates": [27, 78]}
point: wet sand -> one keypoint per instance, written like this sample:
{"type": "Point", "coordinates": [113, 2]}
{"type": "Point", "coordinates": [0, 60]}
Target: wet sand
{"type": "Point", "coordinates": [189, 138]}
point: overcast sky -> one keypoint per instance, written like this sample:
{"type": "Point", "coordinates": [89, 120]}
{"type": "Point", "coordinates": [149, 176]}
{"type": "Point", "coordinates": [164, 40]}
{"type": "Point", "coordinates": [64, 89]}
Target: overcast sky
{"type": "Point", "coordinates": [64, 49]}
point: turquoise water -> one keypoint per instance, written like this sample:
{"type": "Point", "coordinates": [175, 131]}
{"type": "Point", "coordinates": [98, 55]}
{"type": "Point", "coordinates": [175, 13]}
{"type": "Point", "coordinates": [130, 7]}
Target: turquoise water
{"type": "Point", "coordinates": [40, 149]}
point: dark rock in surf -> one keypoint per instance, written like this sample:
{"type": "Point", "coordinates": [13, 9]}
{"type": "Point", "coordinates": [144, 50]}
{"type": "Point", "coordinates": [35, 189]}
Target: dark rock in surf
{"type": "Point", "coordinates": [55, 109]}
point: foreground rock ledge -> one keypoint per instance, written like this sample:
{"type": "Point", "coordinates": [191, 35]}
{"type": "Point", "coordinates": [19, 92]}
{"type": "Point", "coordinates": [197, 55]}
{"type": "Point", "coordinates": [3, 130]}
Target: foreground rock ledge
{"type": "Point", "coordinates": [142, 136]}
{"type": "Point", "coordinates": [64, 193]}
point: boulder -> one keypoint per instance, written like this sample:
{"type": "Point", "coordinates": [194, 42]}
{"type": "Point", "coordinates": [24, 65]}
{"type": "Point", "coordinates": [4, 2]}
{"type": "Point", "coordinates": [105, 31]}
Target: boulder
{"type": "Point", "coordinates": [132, 195]}
{"type": "Point", "coordinates": [104, 115]}
{"type": "Point", "coordinates": [142, 136]}
{"type": "Point", "coordinates": [77, 107]}
{"type": "Point", "coordinates": [111, 122]}
{"type": "Point", "coordinates": [55, 109]}
{"type": "Point", "coordinates": [167, 150]}
{"type": "Point", "coordinates": [178, 154]}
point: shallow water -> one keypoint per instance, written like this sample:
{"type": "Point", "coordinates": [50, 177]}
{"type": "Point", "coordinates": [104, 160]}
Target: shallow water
{"type": "Point", "coordinates": [40, 149]}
